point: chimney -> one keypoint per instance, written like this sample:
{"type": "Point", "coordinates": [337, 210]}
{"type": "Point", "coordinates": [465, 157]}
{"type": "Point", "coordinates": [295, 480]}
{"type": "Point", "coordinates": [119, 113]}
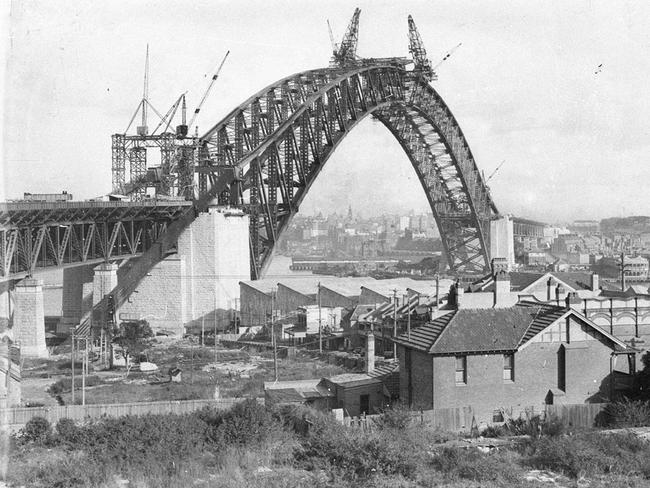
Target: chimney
{"type": "Point", "coordinates": [459, 295]}
{"type": "Point", "coordinates": [370, 352]}
{"type": "Point", "coordinates": [573, 301]}
{"type": "Point", "coordinates": [549, 285]}
{"type": "Point", "coordinates": [559, 291]}
{"type": "Point", "coordinates": [595, 282]}
{"type": "Point", "coordinates": [501, 288]}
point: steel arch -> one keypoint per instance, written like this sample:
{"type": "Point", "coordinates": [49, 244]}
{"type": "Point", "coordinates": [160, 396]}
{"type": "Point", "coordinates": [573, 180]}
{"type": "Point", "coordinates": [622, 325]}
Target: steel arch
{"type": "Point", "coordinates": [268, 152]}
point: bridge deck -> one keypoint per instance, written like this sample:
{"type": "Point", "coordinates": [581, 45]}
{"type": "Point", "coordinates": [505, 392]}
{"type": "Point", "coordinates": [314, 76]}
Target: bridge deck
{"type": "Point", "coordinates": [35, 214]}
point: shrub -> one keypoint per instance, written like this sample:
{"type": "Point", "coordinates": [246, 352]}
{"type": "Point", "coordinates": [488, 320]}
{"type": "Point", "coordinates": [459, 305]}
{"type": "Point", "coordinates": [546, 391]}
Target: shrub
{"type": "Point", "coordinates": [629, 413]}
{"type": "Point", "coordinates": [64, 385]}
{"type": "Point", "coordinates": [37, 430]}
{"type": "Point", "coordinates": [471, 464]}
{"type": "Point", "coordinates": [591, 454]}
{"type": "Point", "coordinates": [245, 423]}
{"type": "Point", "coordinates": [396, 417]}
{"type": "Point", "coordinates": [354, 453]}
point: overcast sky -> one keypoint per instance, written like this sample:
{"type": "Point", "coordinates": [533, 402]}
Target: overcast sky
{"type": "Point", "coordinates": [557, 89]}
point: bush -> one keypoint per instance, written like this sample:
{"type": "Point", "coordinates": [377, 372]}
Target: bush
{"type": "Point", "coordinates": [591, 454]}
{"type": "Point", "coordinates": [64, 385]}
{"type": "Point", "coordinates": [355, 454]}
{"type": "Point", "coordinates": [37, 430]}
{"type": "Point", "coordinates": [396, 417]}
{"type": "Point", "coordinates": [246, 423]}
{"type": "Point", "coordinates": [629, 413]}
{"type": "Point", "coordinates": [471, 464]}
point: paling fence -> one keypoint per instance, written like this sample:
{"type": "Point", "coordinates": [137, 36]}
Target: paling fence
{"type": "Point", "coordinates": [463, 418]}
{"type": "Point", "coordinates": [20, 416]}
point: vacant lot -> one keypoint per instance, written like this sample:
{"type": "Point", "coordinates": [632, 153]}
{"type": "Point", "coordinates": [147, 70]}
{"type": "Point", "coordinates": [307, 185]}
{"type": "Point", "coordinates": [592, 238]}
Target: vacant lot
{"type": "Point", "coordinates": [205, 372]}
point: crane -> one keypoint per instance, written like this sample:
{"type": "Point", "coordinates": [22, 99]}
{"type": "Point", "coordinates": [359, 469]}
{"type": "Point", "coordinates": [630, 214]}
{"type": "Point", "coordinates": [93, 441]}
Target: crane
{"type": "Point", "coordinates": [207, 92]}
{"type": "Point", "coordinates": [419, 53]}
{"type": "Point", "coordinates": [346, 53]}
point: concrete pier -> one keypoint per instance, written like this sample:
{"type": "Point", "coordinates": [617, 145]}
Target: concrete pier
{"type": "Point", "coordinates": [29, 319]}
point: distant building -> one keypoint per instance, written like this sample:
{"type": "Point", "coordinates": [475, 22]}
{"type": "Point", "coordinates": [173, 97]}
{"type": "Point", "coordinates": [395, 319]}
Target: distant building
{"type": "Point", "coordinates": [47, 197]}
{"type": "Point", "coordinates": [585, 226]}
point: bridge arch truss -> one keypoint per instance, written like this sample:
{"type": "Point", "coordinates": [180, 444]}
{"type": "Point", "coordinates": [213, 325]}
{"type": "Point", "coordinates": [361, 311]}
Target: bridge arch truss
{"type": "Point", "coordinates": [266, 154]}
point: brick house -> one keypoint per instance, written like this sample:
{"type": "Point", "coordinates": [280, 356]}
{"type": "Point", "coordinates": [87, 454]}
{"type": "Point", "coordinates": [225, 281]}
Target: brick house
{"type": "Point", "coordinates": [508, 359]}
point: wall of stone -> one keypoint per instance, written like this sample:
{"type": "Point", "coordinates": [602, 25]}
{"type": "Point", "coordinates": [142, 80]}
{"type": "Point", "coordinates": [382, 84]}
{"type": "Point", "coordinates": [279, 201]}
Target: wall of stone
{"type": "Point", "coordinates": [28, 320]}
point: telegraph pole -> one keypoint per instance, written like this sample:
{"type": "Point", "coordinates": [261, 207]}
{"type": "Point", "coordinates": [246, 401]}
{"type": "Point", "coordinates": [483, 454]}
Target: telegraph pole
{"type": "Point", "coordinates": [73, 357]}
{"type": "Point", "coordinates": [84, 367]}
{"type": "Point", "coordinates": [273, 344]}
{"type": "Point", "coordinates": [394, 323]}
{"type": "Point", "coordinates": [320, 328]}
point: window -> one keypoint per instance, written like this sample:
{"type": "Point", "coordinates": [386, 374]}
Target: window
{"type": "Point", "coordinates": [508, 367]}
{"type": "Point", "coordinates": [461, 370]}
{"type": "Point", "coordinates": [497, 416]}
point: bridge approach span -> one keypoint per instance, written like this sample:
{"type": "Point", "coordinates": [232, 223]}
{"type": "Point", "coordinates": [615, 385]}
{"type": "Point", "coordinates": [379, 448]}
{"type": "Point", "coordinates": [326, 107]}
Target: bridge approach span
{"type": "Point", "coordinates": [38, 235]}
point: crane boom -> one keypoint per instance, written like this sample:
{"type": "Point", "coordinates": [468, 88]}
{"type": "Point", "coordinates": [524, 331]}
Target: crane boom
{"type": "Point", "coordinates": [345, 53]}
{"type": "Point", "coordinates": [419, 53]}
{"type": "Point", "coordinates": [335, 46]}
{"type": "Point", "coordinates": [207, 92]}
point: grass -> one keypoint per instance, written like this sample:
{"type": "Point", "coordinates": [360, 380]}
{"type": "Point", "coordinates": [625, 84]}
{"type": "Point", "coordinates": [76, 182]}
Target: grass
{"type": "Point", "coordinates": [250, 446]}
{"type": "Point", "coordinates": [198, 379]}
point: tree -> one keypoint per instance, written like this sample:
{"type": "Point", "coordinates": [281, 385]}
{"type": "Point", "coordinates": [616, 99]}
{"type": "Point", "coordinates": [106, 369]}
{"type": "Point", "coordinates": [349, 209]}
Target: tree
{"type": "Point", "coordinates": [134, 336]}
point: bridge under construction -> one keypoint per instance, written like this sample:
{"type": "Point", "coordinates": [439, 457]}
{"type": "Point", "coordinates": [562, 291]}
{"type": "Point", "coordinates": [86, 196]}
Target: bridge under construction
{"type": "Point", "coordinates": [256, 165]}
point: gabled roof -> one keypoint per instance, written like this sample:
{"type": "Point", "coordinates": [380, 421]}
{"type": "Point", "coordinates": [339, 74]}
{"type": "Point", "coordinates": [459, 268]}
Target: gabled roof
{"type": "Point", "coordinates": [522, 281]}
{"type": "Point", "coordinates": [490, 330]}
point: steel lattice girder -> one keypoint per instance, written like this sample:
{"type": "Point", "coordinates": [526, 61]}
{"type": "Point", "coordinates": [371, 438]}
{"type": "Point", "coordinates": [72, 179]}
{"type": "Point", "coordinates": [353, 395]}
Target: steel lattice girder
{"type": "Point", "coordinates": [39, 235]}
{"type": "Point", "coordinates": [279, 139]}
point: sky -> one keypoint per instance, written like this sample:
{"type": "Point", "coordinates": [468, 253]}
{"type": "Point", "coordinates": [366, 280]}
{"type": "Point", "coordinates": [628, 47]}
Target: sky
{"type": "Point", "coordinates": [555, 90]}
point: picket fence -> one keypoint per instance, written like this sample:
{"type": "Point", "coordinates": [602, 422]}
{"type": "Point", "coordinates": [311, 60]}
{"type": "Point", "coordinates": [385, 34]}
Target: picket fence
{"type": "Point", "coordinates": [21, 415]}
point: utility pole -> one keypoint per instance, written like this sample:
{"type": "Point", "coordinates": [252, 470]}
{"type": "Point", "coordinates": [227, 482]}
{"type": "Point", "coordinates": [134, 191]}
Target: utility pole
{"type": "Point", "coordinates": [73, 358]}
{"type": "Point", "coordinates": [192, 359]}
{"type": "Point", "coordinates": [203, 332]}
{"type": "Point", "coordinates": [215, 326]}
{"type": "Point", "coordinates": [273, 344]}
{"type": "Point", "coordinates": [320, 328]}
{"type": "Point", "coordinates": [623, 271]}
{"type": "Point", "coordinates": [84, 367]}
{"type": "Point", "coordinates": [394, 323]}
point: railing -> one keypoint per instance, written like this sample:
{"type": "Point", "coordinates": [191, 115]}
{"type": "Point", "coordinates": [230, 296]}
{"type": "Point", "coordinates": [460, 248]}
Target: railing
{"type": "Point", "coordinates": [20, 416]}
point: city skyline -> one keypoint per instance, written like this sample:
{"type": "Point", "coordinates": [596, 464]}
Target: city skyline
{"type": "Point", "coordinates": [562, 114]}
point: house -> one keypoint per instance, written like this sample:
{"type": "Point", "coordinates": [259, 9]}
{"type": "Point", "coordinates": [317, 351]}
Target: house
{"type": "Point", "coordinates": [355, 393]}
{"type": "Point", "coordinates": [301, 392]}
{"type": "Point", "coordinates": [508, 359]}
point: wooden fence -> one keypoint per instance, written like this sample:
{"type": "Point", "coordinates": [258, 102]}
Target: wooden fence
{"type": "Point", "coordinates": [463, 419]}
{"type": "Point", "coordinates": [583, 415]}
{"type": "Point", "coordinates": [20, 416]}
